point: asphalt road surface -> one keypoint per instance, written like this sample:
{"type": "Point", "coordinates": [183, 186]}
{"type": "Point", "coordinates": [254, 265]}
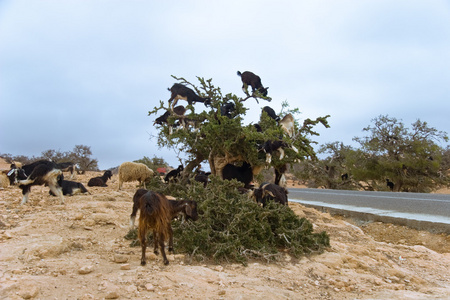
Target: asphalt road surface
{"type": "Point", "coordinates": [415, 206]}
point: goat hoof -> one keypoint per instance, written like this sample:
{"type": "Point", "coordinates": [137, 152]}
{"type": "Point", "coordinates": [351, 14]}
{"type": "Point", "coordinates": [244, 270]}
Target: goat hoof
{"type": "Point", "coordinates": [166, 262]}
{"type": "Point", "coordinates": [156, 252]}
{"type": "Point", "coordinates": [143, 263]}
{"type": "Point", "coordinates": [171, 250]}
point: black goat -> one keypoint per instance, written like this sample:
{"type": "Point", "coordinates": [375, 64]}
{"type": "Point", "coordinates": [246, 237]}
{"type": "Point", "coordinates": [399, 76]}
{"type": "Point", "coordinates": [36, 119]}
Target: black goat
{"type": "Point", "coordinates": [157, 213]}
{"type": "Point", "coordinates": [180, 91]}
{"type": "Point", "coordinates": [270, 191]}
{"type": "Point", "coordinates": [202, 176]}
{"type": "Point", "coordinates": [269, 147]}
{"type": "Point", "coordinates": [42, 172]}
{"type": "Point", "coordinates": [249, 78]}
{"type": "Point", "coordinates": [243, 173]}
{"type": "Point", "coordinates": [227, 109]}
{"type": "Point", "coordinates": [173, 175]}
{"type": "Point", "coordinates": [390, 184]}
{"type": "Point", "coordinates": [271, 113]}
{"type": "Point", "coordinates": [71, 188]}
{"type": "Point", "coordinates": [100, 180]}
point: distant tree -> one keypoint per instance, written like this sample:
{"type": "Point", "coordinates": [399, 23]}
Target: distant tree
{"type": "Point", "coordinates": [332, 172]}
{"type": "Point", "coordinates": [81, 155]}
{"type": "Point", "coordinates": [153, 163]}
{"type": "Point", "coordinates": [410, 158]}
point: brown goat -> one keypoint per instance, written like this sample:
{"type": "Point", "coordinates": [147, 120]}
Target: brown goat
{"type": "Point", "coordinates": [155, 214]}
{"type": "Point", "coordinates": [188, 208]}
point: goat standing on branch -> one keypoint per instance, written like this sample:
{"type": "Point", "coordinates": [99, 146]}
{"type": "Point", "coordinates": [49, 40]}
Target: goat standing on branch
{"type": "Point", "coordinates": [179, 91]}
{"type": "Point", "coordinates": [249, 78]}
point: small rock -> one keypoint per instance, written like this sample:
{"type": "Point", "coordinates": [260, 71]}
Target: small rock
{"type": "Point", "coordinates": [149, 287]}
{"type": "Point", "coordinates": [125, 267]}
{"type": "Point", "coordinates": [85, 270]}
{"type": "Point", "coordinates": [112, 295]}
{"type": "Point", "coordinates": [78, 216]}
{"type": "Point", "coordinates": [120, 258]}
{"type": "Point", "coordinates": [222, 292]}
{"type": "Point", "coordinates": [218, 268]}
{"type": "Point", "coordinates": [28, 291]}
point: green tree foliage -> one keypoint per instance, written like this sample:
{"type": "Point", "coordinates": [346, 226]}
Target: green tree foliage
{"type": "Point", "coordinates": [234, 228]}
{"type": "Point", "coordinates": [218, 135]}
{"type": "Point", "coordinates": [409, 157]}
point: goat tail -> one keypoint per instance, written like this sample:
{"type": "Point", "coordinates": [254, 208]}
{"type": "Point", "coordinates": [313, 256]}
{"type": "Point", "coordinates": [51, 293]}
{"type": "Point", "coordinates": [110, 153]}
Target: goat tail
{"type": "Point", "coordinates": [239, 73]}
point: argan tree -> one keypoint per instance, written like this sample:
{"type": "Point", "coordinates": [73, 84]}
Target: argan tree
{"type": "Point", "coordinates": [216, 137]}
{"type": "Point", "coordinates": [233, 227]}
{"type": "Point", "coordinates": [410, 158]}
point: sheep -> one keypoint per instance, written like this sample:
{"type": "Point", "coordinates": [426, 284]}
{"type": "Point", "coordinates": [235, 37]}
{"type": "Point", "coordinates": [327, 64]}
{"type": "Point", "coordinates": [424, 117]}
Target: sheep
{"type": "Point", "coordinates": [173, 175]}
{"type": "Point", "coordinates": [243, 173]}
{"type": "Point", "coordinates": [42, 172]}
{"type": "Point", "coordinates": [270, 191]}
{"type": "Point", "coordinates": [100, 180]}
{"type": "Point", "coordinates": [390, 184]}
{"type": "Point", "coordinates": [249, 78]}
{"type": "Point", "coordinates": [271, 113]}
{"type": "Point", "coordinates": [157, 213]}
{"type": "Point", "coordinates": [71, 188]}
{"type": "Point", "coordinates": [180, 91]}
{"type": "Point", "coordinates": [287, 124]}
{"type": "Point", "coordinates": [131, 171]}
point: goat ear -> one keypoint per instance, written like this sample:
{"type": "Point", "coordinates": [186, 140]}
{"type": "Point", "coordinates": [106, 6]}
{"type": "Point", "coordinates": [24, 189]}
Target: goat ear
{"type": "Point", "coordinates": [188, 210]}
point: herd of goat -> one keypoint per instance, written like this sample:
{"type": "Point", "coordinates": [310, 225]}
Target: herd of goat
{"type": "Point", "coordinates": [156, 211]}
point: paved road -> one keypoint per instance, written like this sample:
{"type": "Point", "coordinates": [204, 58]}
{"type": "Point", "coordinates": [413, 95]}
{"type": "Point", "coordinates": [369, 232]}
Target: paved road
{"type": "Point", "coordinates": [434, 208]}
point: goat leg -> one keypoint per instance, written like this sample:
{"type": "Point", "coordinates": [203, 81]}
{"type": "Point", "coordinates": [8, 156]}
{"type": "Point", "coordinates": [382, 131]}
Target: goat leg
{"type": "Point", "coordinates": [163, 251]}
{"type": "Point", "coordinates": [155, 242]}
{"type": "Point", "coordinates": [144, 247]}
{"type": "Point", "coordinates": [170, 239]}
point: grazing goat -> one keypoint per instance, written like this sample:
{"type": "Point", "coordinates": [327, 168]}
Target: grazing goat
{"type": "Point", "coordinates": [180, 91]}
{"type": "Point", "coordinates": [390, 184]}
{"type": "Point", "coordinates": [287, 124]}
{"type": "Point", "coordinates": [271, 113]}
{"type": "Point", "coordinates": [157, 213]}
{"type": "Point", "coordinates": [243, 173]}
{"type": "Point", "coordinates": [100, 180]}
{"type": "Point", "coordinates": [202, 176]}
{"type": "Point", "coordinates": [280, 179]}
{"type": "Point", "coordinates": [67, 167]}
{"type": "Point", "coordinates": [270, 191]}
{"type": "Point", "coordinates": [173, 175]}
{"type": "Point", "coordinates": [227, 109]}
{"type": "Point", "coordinates": [270, 147]}
{"type": "Point", "coordinates": [42, 172]}
{"type": "Point", "coordinates": [71, 188]}
{"type": "Point", "coordinates": [131, 171]}
{"type": "Point", "coordinates": [249, 78]}
{"type": "Point", "coordinates": [179, 110]}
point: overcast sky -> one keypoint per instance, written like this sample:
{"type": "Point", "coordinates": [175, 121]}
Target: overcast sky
{"type": "Point", "coordinates": [87, 72]}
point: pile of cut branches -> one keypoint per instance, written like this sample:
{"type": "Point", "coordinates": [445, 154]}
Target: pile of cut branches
{"type": "Point", "coordinates": [233, 228]}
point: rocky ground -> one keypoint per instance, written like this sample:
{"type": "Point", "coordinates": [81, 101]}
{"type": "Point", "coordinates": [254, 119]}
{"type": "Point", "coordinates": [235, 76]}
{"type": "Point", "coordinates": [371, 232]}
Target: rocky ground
{"type": "Point", "coordinates": [78, 251]}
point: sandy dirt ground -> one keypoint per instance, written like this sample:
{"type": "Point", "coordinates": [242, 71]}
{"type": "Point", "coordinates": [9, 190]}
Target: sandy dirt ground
{"type": "Point", "coordinates": [78, 251]}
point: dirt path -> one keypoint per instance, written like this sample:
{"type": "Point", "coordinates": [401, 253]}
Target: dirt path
{"type": "Point", "coordinates": [77, 251]}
